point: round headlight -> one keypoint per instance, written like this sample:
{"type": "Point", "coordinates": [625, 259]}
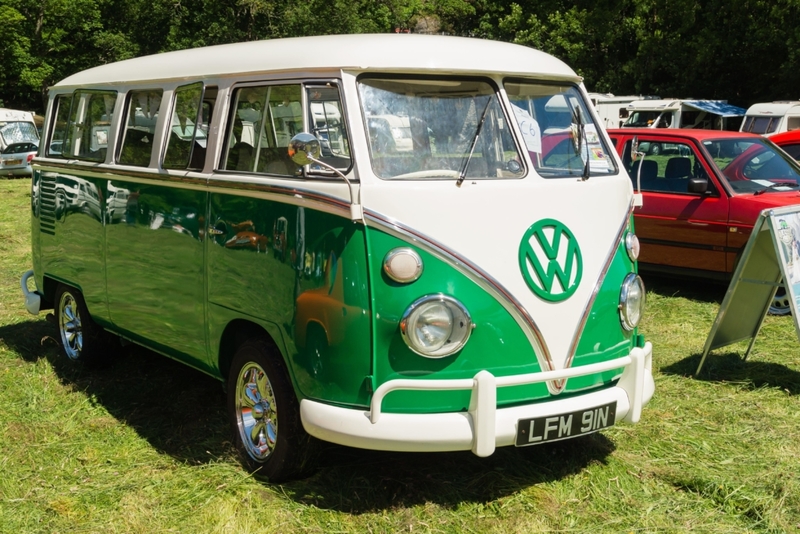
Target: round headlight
{"type": "Point", "coordinates": [631, 301]}
{"type": "Point", "coordinates": [436, 326]}
{"type": "Point", "coordinates": [632, 245]}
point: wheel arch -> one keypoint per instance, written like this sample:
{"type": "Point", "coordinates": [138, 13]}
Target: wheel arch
{"type": "Point", "coordinates": [237, 332]}
{"type": "Point", "coordinates": [49, 292]}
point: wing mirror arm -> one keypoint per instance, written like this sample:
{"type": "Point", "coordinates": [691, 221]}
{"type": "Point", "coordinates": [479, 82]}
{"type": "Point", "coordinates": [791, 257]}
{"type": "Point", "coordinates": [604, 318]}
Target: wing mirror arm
{"type": "Point", "coordinates": [638, 200]}
{"type": "Point", "coordinates": [304, 149]}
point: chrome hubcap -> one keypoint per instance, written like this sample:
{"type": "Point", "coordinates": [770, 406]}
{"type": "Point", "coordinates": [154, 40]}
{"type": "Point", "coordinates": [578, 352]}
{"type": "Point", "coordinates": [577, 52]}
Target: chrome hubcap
{"type": "Point", "coordinates": [69, 322]}
{"type": "Point", "coordinates": [780, 303]}
{"type": "Point", "coordinates": [256, 412]}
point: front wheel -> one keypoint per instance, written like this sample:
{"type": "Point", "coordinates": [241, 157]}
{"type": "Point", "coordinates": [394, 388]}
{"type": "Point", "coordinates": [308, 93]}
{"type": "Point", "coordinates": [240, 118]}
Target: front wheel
{"type": "Point", "coordinates": [265, 415]}
{"type": "Point", "coordinates": [655, 149]}
{"type": "Point", "coordinates": [81, 338]}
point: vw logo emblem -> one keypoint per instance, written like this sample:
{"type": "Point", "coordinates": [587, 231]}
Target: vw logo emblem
{"type": "Point", "coordinates": [550, 260]}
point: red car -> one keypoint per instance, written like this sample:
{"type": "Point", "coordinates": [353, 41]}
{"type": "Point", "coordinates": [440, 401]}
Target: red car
{"type": "Point", "coordinates": [788, 141]}
{"type": "Point", "coordinates": [702, 195]}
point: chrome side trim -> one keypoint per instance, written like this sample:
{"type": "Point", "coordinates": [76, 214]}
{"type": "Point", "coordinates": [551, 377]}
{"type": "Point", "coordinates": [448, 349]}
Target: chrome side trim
{"type": "Point", "coordinates": [250, 186]}
{"type": "Point", "coordinates": [573, 348]}
{"type": "Point", "coordinates": [474, 273]}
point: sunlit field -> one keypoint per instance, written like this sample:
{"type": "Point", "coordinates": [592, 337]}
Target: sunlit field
{"type": "Point", "coordinates": [142, 446]}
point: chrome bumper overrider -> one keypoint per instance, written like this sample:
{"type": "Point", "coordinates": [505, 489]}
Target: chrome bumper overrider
{"type": "Point", "coordinates": [483, 427]}
{"type": "Point", "coordinates": [33, 301]}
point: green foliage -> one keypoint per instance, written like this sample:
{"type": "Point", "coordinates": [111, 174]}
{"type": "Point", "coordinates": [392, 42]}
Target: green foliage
{"type": "Point", "coordinates": [742, 50]}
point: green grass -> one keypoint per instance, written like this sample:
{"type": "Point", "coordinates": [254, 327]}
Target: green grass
{"type": "Point", "coordinates": [142, 446]}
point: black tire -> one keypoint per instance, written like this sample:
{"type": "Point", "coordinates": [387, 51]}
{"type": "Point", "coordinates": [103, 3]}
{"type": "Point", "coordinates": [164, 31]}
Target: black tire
{"type": "Point", "coordinates": [655, 149]}
{"type": "Point", "coordinates": [82, 340]}
{"type": "Point", "coordinates": [780, 302]}
{"type": "Point", "coordinates": [265, 416]}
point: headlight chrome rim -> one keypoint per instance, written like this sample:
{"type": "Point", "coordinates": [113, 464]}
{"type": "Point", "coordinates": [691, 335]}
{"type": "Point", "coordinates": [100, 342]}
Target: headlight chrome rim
{"type": "Point", "coordinates": [460, 327]}
{"type": "Point", "coordinates": [629, 317]}
{"type": "Point", "coordinates": [632, 246]}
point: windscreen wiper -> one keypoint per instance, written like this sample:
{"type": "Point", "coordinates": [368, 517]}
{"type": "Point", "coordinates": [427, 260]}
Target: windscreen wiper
{"type": "Point", "coordinates": [774, 187]}
{"type": "Point", "coordinates": [463, 172]}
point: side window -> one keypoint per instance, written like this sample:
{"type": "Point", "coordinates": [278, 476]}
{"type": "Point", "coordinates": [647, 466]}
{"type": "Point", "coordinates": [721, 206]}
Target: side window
{"type": "Point", "coordinates": [667, 167]}
{"type": "Point", "coordinates": [264, 119]}
{"type": "Point", "coordinates": [61, 105]}
{"type": "Point", "coordinates": [136, 140]}
{"type": "Point", "coordinates": [792, 150]}
{"type": "Point", "coordinates": [88, 124]}
{"type": "Point", "coordinates": [185, 138]}
{"type": "Point", "coordinates": [327, 124]}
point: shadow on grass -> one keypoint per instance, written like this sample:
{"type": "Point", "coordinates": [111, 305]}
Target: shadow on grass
{"type": "Point", "coordinates": [358, 481]}
{"type": "Point", "coordinates": [684, 287]}
{"type": "Point", "coordinates": [730, 367]}
{"type": "Point", "coordinates": [181, 412]}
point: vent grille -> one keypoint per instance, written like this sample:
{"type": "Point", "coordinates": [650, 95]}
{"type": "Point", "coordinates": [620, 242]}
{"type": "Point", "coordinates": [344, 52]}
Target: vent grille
{"type": "Point", "coordinates": [47, 205]}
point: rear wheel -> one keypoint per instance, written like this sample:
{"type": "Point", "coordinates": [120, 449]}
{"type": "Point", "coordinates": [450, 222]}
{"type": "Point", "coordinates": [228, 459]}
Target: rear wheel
{"type": "Point", "coordinates": [81, 338]}
{"type": "Point", "coordinates": [265, 415]}
{"type": "Point", "coordinates": [655, 149]}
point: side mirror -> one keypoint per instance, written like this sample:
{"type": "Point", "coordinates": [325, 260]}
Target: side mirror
{"type": "Point", "coordinates": [635, 148]}
{"type": "Point", "coordinates": [304, 149]}
{"type": "Point", "coordinates": [698, 185]}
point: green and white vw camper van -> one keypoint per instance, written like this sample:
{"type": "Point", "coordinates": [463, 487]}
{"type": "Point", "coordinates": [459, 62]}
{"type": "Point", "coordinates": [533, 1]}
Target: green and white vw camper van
{"type": "Point", "coordinates": [393, 242]}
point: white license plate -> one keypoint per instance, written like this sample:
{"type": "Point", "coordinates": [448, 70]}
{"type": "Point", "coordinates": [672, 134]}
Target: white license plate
{"type": "Point", "coordinates": [566, 425]}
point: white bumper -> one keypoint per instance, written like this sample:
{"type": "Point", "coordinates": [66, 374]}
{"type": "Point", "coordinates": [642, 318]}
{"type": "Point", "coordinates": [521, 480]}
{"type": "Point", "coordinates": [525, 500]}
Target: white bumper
{"type": "Point", "coordinates": [483, 427]}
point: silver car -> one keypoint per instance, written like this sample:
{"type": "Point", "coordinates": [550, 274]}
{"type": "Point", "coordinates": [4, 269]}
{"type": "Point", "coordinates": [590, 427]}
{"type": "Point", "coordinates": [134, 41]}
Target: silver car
{"type": "Point", "coordinates": [15, 160]}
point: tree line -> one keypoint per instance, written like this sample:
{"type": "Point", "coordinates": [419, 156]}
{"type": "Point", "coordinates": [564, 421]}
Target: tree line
{"type": "Point", "coordinates": [744, 51]}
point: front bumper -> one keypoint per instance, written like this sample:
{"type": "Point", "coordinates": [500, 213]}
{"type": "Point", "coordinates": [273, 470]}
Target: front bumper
{"type": "Point", "coordinates": [483, 427]}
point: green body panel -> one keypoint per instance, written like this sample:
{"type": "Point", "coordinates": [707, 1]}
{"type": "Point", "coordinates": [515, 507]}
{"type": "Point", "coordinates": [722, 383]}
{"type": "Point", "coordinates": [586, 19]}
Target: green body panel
{"type": "Point", "coordinates": [497, 343]}
{"type": "Point", "coordinates": [74, 252]}
{"type": "Point", "coordinates": [603, 337]}
{"type": "Point", "coordinates": [305, 271]}
{"type": "Point", "coordinates": [154, 267]}
{"type": "Point", "coordinates": [171, 267]}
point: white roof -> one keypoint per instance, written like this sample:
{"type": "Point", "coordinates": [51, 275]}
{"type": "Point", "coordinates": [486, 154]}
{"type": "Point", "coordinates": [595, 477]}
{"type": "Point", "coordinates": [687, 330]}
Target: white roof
{"type": "Point", "coordinates": [772, 108]}
{"type": "Point", "coordinates": [383, 52]}
{"type": "Point", "coordinates": [669, 104]}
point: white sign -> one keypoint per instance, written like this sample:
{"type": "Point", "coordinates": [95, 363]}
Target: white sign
{"type": "Point", "coordinates": [770, 259]}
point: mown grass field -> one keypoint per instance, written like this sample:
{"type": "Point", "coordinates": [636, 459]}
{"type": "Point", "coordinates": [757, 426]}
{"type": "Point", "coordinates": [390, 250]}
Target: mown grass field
{"type": "Point", "coordinates": [143, 446]}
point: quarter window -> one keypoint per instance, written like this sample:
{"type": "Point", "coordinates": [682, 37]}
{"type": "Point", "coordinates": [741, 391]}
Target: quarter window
{"type": "Point", "coordinates": [136, 145]}
{"type": "Point", "coordinates": [187, 135]}
{"type": "Point", "coordinates": [83, 125]}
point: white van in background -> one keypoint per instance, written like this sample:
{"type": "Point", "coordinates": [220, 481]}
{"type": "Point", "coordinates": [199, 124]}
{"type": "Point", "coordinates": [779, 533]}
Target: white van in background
{"type": "Point", "coordinates": [676, 113]}
{"type": "Point", "coordinates": [17, 127]}
{"type": "Point", "coordinates": [613, 110]}
{"type": "Point", "coordinates": [769, 118]}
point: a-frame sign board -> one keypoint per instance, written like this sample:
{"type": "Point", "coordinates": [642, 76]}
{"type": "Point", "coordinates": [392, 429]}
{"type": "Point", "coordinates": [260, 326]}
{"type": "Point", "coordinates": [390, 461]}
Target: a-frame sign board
{"type": "Point", "coordinates": [771, 256]}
